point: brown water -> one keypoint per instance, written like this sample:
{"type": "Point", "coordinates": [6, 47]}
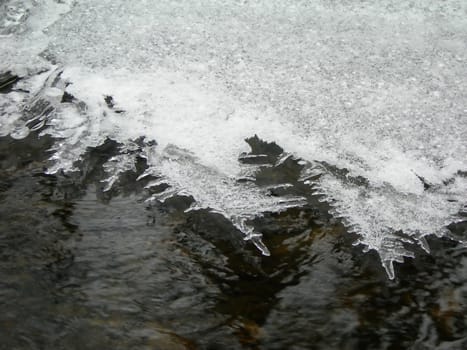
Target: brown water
{"type": "Point", "coordinates": [83, 269]}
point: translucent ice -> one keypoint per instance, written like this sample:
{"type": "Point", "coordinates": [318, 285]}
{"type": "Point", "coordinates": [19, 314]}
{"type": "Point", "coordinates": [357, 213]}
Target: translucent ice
{"type": "Point", "coordinates": [372, 96]}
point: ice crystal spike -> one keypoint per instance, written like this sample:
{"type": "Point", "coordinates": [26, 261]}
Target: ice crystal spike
{"type": "Point", "coordinates": [258, 242]}
{"type": "Point", "coordinates": [118, 165]}
{"type": "Point", "coordinates": [424, 244]}
{"type": "Point", "coordinates": [155, 183]}
{"type": "Point", "coordinates": [389, 268]}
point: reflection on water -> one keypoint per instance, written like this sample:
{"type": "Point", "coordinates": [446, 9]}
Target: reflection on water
{"type": "Point", "coordinates": [83, 269]}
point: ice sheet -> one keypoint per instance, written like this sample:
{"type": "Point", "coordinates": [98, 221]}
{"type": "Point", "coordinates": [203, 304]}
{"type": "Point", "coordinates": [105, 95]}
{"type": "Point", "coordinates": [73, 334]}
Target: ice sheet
{"type": "Point", "coordinates": [378, 89]}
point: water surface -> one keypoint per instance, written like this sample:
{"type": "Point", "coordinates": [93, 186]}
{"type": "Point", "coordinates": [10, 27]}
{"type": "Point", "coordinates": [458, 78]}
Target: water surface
{"type": "Point", "coordinates": [83, 269]}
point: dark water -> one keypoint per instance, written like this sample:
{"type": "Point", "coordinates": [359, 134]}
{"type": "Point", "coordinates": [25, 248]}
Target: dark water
{"type": "Point", "coordinates": [83, 269]}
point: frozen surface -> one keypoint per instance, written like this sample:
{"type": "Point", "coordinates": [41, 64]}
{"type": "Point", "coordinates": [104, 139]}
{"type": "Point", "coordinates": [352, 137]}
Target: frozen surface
{"type": "Point", "coordinates": [378, 89]}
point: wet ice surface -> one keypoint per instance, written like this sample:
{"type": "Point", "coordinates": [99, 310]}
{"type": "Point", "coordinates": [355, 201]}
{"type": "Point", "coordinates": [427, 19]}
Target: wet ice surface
{"type": "Point", "coordinates": [372, 98]}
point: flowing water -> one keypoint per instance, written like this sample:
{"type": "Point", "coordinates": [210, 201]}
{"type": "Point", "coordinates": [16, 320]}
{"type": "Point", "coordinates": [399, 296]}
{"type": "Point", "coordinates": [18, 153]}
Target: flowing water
{"type": "Point", "coordinates": [233, 174]}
